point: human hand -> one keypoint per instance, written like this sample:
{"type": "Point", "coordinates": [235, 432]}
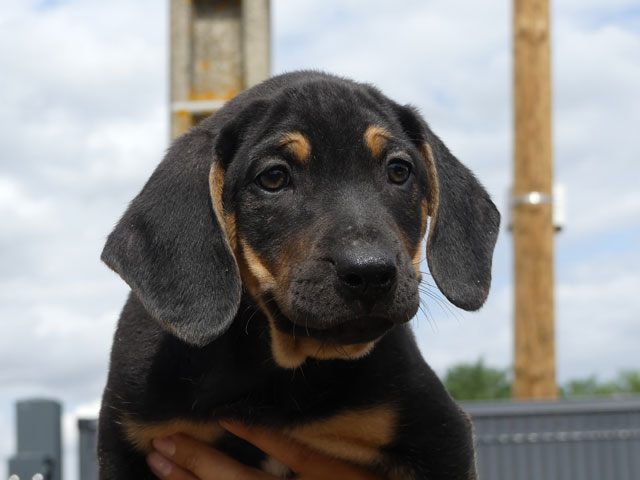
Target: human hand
{"type": "Point", "coordinates": [179, 457]}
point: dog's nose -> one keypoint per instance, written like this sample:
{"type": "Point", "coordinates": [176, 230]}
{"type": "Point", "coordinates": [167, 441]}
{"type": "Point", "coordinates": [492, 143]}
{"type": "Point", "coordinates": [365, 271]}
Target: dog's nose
{"type": "Point", "coordinates": [366, 275]}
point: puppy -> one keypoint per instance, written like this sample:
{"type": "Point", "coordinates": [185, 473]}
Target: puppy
{"type": "Point", "coordinates": [273, 258]}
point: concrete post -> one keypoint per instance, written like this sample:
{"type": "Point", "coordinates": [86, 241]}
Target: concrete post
{"type": "Point", "coordinates": [218, 48]}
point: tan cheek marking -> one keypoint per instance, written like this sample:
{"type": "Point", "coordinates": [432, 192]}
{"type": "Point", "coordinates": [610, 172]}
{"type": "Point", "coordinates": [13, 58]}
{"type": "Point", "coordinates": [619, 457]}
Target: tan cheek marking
{"type": "Point", "coordinates": [231, 232]}
{"type": "Point", "coordinates": [282, 270]}
{"type": "Point", "coordinates": [432, 174]}
{"type": "Point", "coordinates": [263, 279]}
{"type": "Point", "coordinates": [376, 138]}
{"type": "Point", "coordinates": [416, 262]}
{"type": "Point", "coordinates": [289, 352]}
{"type": "Point", "coordinates": [216, 182]}
{"type": "Point", "coordinates": [356, 436]}
{"type": "Point", "coordinates": [424, 216]}
{"type": "Point", "coordinates": [417, 256]}
{"type": "Point", "coordinates": [227, 222]}
{"type": "Point", "coordinates": [298, 145]}
{"type": "Point", "coordinates": [434, 189]}
{"type": "Point", "coordinates": [140, 434]}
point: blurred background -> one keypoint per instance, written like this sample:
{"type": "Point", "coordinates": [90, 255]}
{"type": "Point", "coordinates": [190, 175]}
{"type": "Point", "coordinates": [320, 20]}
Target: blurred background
{"type": "Point", "coordinates": [84, 119]}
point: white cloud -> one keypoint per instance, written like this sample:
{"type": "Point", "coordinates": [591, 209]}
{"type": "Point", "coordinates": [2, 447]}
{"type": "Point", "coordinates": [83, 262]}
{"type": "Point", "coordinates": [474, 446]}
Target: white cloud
{"type": "Point", "coordinates": [598, 314]}
{"type": "Point", "coordinates": [597, 110]}
{"type": "Point", "coordinates": [21, 212]}
{"type": "Point", "coordinates": [56, 351]}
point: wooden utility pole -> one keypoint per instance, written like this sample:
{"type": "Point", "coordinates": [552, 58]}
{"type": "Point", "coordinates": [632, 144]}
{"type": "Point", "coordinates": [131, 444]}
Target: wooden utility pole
{"type": "Point", "coordinates": [218, 48]}
{"type": "Point", "coordinates": [532, 225]}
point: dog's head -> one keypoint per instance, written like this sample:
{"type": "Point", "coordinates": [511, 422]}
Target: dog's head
{"type": "Point", "coordinates": [313, 193]}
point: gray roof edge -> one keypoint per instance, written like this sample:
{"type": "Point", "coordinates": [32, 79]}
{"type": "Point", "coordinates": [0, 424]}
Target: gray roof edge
{"type": "Point", "coordinates": [479, 409]}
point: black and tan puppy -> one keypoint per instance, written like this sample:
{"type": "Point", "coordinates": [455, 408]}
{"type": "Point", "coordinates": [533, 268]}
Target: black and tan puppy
{"type": "Point", "coordinates": [273, 258]}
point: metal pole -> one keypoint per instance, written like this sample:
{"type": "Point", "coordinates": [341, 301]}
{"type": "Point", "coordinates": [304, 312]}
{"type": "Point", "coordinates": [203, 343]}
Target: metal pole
{"type": "Point", "coordinates": [533, 229]}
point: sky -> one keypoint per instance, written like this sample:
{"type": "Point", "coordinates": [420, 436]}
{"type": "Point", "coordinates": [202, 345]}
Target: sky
{"type": "Point", "coordinates": [84, 121]}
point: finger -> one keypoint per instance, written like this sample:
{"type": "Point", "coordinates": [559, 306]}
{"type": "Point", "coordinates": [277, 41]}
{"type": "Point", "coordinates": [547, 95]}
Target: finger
{"type": "Point", "coordinates": [298, 457]}
{"type": "Point", "coordinates": [166, 469]}
{"type": "Point", "coordinates": [202, 461]}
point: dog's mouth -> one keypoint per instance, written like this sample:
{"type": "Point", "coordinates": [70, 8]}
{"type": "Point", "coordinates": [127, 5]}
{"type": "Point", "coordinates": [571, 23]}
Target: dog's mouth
{"type": "Point", "coordinates": [359, 329]}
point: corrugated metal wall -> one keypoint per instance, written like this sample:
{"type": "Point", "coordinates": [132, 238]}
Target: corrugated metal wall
{"type": "Point", "coordinates": [564, 440]}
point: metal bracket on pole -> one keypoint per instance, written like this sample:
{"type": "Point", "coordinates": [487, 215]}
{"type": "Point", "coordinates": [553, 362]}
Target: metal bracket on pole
{"type": "Point", "coordinates": [197, 106]}
{"type": "Point", "coordinates": [557, 200]}
{"type": "Point", "coordinates": [531, 198]}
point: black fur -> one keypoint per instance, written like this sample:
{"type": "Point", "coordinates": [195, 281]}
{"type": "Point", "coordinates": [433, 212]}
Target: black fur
{"type": "Point", "coordinates": [194, 340]}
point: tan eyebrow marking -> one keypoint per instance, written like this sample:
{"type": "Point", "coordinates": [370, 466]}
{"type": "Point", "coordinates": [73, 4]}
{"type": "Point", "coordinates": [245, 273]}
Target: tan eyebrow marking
{"type": "Point", "coordinates": [376, 138]}
{"type": "Point", "coordinates": [298, 145]}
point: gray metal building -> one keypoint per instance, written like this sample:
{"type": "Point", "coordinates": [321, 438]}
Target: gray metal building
{"type": "Point", "coordinates": [596, 439]}
{"type": "Point", "coordinates": [38, 441]}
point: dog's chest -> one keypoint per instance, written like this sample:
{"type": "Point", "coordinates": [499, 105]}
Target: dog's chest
{"type": "Point", "coordinates": [353, 435]}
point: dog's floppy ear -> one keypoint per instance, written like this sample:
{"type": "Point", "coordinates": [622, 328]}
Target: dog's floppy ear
{"type": "Point", "coordinates": [464, 221]}
{"type": "Point", "coordinates": [171, 248]}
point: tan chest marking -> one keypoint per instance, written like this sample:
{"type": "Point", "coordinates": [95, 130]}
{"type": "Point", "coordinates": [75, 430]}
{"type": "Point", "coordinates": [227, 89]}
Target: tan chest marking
{"type": "Point", "coordinates": [140, 434]}
{"type": "Point", "coordinates": [356, 436]}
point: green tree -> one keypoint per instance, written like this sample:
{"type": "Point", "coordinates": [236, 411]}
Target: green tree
{"type": "Point", "coordinates": [629, 381]}
{"type": "Point", "coordinates": [475, 381]}
{"type": "Point", "coordinates": [587, 387]}
{"type": "Point", "coordinates": [626, 382]}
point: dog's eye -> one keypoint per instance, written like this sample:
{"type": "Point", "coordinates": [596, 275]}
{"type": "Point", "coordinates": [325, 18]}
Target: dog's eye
{"type": "Point", "coordinates": [276, 178]}
{"type": "Point", "coordinates": [398, 171]}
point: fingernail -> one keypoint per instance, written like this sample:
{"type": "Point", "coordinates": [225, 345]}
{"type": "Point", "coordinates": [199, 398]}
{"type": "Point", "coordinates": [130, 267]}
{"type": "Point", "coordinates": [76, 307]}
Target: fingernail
{"type": "Point", "coordinates": [160, 465]}
{"type": "Point", "coordinates": [164, 445]}
{"type": "Point", "coordinates": [231, 423]}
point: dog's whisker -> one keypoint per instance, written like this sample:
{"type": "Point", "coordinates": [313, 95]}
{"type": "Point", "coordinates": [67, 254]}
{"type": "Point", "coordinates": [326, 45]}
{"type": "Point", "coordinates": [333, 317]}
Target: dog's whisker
{"type": "Point", "coordinates": [428, 316]}
{"type": "Point", "coordinates": [425, 283]}
{"type": "Point", "coordinates": [246, 325]}
{"type": "Point", "coordinates": [443, 304]}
